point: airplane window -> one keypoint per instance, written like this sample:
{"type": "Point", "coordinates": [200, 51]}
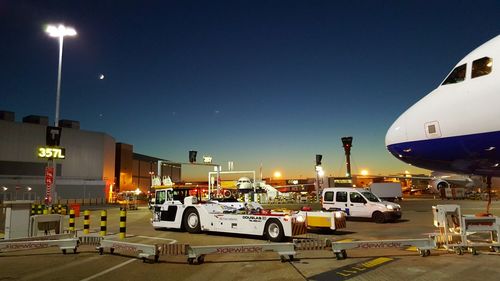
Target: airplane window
{"type": "Point", "coordinates": [431, 129]}
{"type": "Point", "coordinates": [482, 67]}
{"type": "Point", "coordinates": [457, 75]}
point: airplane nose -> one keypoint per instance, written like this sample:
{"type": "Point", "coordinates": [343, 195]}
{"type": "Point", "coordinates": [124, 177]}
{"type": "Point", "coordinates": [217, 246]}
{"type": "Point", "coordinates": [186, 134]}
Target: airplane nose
{"type": "Point", "coordinates": [397, 132]}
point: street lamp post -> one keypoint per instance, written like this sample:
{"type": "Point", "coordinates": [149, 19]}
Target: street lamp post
{"type": "Point", "coordinates": [317, 168]}
{"type": "Point", "coordinates": [60, 32]}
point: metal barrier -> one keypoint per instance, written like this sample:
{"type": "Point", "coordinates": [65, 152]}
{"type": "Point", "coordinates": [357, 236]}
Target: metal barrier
{"type": "Point", "coordinates": [423, 246]}
{"type": "Point", "coordinates": [172, 249]}
{"type": "Point", "coordinates": [143, 251]}
{"type": "Point", "coordinates": [194, 253]}
{"type": "Point", "coordinates": [197, 253]}
{"type": "Point", "coordinates": [63, 244]}
{"type": "Point", "coordinates": [38, 238]}
{"type": "Point", "coordinates": [312, 244]}
{"type": "Point", "coordinates": [90, 240]}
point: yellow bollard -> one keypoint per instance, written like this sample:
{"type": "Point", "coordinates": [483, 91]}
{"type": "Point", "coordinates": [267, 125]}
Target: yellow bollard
{"type": "Point", "coordinates": [104, 220]}
{"type": "Point", "coordinates": [86, 222]}
{"type": "Point", "coordinates": [39, 209]}
{"type": "Point", "coordinates": [72, 220]}
{"type": "Point", "coordinates": [123, 224]}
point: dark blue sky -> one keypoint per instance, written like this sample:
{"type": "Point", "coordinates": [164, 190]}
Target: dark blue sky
{"type": "Point", "coordinates": [271, 82]}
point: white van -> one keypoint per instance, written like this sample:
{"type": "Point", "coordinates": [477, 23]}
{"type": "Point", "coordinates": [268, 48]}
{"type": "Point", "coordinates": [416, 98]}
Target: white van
{"type": "Point", "coordinates": [357, 202]}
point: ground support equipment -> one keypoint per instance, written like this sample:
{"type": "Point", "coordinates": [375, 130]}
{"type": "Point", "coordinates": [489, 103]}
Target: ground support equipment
{"type": "Point", "coordinates": [143, 251]}
{"type": "Point", "coordinates": [63, 244]}
{"type": "Point", "coordinates": [197, 253]}
{"type": "Point", "coordinates": [37, 238]}
{"type": "Point", "coordinates": [423, 246]}
{"type": "Point", "coordinates": [465, 233]}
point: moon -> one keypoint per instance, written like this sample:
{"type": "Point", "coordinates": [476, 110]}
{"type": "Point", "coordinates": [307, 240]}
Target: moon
{"type": "Point", "coordinates": [101, 76]}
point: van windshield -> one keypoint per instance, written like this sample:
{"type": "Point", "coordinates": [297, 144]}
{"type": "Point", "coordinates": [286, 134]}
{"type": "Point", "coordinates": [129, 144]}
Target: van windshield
{"type": "Point", "coordinates": [370, 196]}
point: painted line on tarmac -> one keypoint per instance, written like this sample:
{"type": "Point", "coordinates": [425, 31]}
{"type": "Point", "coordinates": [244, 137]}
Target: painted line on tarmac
{"type": "Point", "coordinates": [109, 270]}
{"type": "Point", "coordinates": [345, 240]}
{"type": "Point", "coordinates": [350, 271]}
{"type": "Point", "coordinates": [159, 238]}
{"type": "Point", "coordinates": [411, 248]}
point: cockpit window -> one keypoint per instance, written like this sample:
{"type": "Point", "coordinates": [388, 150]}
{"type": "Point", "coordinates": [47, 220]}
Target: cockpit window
{"type": "Point", "coordinates": [482, 67]}
{"type": "Point", "coordinates": [457, 75]}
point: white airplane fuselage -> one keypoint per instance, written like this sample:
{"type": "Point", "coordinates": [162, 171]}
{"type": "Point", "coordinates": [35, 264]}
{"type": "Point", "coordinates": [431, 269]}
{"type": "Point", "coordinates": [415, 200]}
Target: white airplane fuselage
{"type": "Point", "coordinates": [456, 127]}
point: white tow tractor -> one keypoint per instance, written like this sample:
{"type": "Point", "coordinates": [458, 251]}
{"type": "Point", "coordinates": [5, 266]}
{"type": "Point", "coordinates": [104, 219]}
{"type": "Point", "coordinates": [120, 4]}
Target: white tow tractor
{"type": "Point", "coordinates": [175, 209]}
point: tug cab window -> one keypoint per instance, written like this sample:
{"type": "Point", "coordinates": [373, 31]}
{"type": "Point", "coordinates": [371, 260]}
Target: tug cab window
{"type": "Point", "coordinates": [160, 197]}
{"type": "Point", "coordinates": [457, 75]}
{"type": "Point", "coordinates": [482, 67]}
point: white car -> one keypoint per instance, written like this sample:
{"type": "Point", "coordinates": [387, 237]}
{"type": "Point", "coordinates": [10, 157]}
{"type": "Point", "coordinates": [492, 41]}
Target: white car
{"type": "Point", "coordinates": [356, 202]}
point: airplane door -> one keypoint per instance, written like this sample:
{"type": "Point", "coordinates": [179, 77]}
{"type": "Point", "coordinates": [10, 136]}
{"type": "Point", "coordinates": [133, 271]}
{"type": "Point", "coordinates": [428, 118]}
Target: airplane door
{"type": "Point", "coordinates": [357, 205]}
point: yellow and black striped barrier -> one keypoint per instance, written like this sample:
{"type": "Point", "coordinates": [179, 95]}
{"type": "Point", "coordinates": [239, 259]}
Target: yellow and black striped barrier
{"type": "Point", "coordinates": [123, 224]}
{"type": "Point", "coordinates": [86, 222]}
{"type": "Point", "coordinates": [104, 220]}
{"type": "Point", "coordinates": [71, 220]}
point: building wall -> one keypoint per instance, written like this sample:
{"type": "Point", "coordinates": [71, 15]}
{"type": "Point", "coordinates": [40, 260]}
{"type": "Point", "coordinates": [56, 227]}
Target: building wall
{"type": "Point", "coordinates": [84, 173]}
{"type": "Point", "coordinates": [123, 167]}
{"type": "Point", "coordinates": [134, 170]}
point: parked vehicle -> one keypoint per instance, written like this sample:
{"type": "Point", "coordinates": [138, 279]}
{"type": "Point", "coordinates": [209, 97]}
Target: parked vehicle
{"type": "Point", "coordinates": [356, 202]}
{"type": "Point", "coordinates": [173, 209]}
{"type": "Point", "coordinates": [390, 191]}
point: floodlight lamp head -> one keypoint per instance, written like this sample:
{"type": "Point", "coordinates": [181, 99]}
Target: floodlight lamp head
{"type": "Point", "coordinates": [60, 31]}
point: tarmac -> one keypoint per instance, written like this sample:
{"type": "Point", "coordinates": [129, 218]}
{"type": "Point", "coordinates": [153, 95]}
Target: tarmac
{"type": "Point", "coordinates": [372, 264]}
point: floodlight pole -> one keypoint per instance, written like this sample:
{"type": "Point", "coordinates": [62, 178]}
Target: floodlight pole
{"type": "Point", "coordinates": [58, 32]}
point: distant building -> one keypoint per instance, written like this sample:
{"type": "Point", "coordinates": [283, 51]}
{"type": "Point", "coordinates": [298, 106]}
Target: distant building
{"type": "Point", "coordinates": [86, 172]}
{"type": "Point", "coordinates": [134, 170]}
{"type": "Point", "coordinates": [94, 167]}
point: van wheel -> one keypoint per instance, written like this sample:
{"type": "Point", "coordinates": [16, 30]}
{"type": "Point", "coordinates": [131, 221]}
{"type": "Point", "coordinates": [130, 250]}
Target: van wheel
{"type": "Point", "coordinates": [273, 231]}
{"type": "Point", "coordinates": [378, 217]}
{"type": "Point", "coordinates": [192, 221]}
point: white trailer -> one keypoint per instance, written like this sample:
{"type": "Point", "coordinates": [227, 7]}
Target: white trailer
{"type": "Point", "coordinates": [390, 191]}
{"type": "Point", "coordinates": [236, 217]}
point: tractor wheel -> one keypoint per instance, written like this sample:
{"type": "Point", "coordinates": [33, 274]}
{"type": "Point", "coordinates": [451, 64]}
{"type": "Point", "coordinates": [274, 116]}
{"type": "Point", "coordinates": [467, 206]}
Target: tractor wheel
{"type": "Point", "coordinates": [273, 230]}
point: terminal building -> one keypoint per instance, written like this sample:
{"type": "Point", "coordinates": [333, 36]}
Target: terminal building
{"type": "Point", "coordinates": [94, 166]}
{"type": "Point", "coordinates": [134, 171]}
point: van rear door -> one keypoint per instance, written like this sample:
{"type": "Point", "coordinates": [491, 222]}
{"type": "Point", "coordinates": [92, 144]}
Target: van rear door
{"type": "Point", "coordinates": [328, 202]}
